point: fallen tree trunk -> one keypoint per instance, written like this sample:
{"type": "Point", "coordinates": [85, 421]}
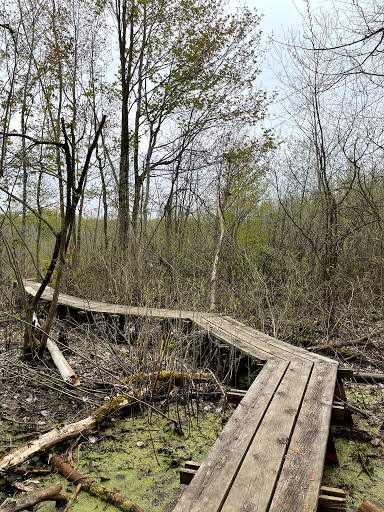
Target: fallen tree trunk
{"type": "Point", "coordinates": [57, 435]}
{"type": "Point", "coordinates": [371, 506]}
{"type": "Point", "coordinates": [67, 373]}
{"type": "Point", "coordinates": [27, 502]}
{"type": "Point", "coordinates": [166, 375]}
{"type": "Point", "coordinates": [344, 343]}
{"type": "Point", "coordinates": [95, 489]}
{"type": "Point", "coordinates": [369, 377]}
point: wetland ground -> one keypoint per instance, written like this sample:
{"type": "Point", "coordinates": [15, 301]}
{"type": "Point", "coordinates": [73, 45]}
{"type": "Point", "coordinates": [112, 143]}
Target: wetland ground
{"type": "Point", "coordinates": [139, 452]}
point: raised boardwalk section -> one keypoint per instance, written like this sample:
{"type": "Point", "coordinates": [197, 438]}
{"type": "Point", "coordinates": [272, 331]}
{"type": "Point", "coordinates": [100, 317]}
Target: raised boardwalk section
{"type": "Point", "coordinates": [270, 455]}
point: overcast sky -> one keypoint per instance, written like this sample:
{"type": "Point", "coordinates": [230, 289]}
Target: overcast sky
{"type": "Point", "coordinates": [283, 14]}
{"type": "Point", "coordinates": [279, 16]}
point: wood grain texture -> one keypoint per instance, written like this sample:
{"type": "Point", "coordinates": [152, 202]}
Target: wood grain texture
{"type": "Point", "coordinates": [233, 340]}
{"type": "Point", "coordinates": [260, 337]}
{"type": "Point", "coordinates": [299, 483]}
{"type": "Point", "coordinates": [371, 506]}
{"type": "Point", "coordinates": [209, 487]}
{"type": "Point", "coordinates": [262, 464]}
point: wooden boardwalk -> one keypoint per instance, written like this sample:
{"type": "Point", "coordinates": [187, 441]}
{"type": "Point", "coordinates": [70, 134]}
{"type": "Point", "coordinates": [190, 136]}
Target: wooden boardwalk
{"type": "Point", "coordinates": [270, 455]}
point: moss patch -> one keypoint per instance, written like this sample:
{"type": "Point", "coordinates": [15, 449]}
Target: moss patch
{"type": "Point", "coordinates": [355, 457]}
{"type": "Point", "coordinates": [141, 456]}
{"type": "Point", "coordinates": [361, 464]}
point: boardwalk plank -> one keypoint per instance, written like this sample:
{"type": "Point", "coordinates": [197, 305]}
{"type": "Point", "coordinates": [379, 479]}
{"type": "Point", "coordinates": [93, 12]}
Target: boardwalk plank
{"type": "Point", "coordinates": [113, 309]}
{"type": "Point", "coordinates": [233, 340]}
{"type": "Point", "coordinates": [299, 483]}
{"type": "Point", "coordinates": [261, 466]}
{"type": "Point", "coordinates": [222, 326]}
{"type": "Point", "coordinates": [209, 487]}
{"type": "Point", "coordinates": [260, 337]}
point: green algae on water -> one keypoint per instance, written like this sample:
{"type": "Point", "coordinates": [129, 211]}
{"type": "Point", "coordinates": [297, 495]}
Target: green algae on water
{"type": "Point", "coordinates": [141, 456]}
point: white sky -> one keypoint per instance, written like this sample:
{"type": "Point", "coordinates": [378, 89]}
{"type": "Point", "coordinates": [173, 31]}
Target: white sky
{"type": "Point", "coordinates": [278, 14]}
{"type": "Point", "coordinates": [279, 17]}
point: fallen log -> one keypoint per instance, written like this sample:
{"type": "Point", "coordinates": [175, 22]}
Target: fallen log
{"type": "Point", "coordinates": [95, 489]}
{"type": "Point", "coordinates": [59, 434]}
{"type": "Point", "coordinates": [371, 506]}
{"type": "Point", "coordinates": [67, 373]}
{"type": "Point", "coordinates": [372, 378]}
{"type": "Point", "coordinates": [344, 343]}
{"type": "Point", "coordinates": [28, 502]}
{"type": "Point", "coordinates": [166, 375]}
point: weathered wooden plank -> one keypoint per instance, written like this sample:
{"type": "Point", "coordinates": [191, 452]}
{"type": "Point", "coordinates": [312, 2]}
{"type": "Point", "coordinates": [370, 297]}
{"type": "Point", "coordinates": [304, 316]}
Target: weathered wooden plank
{"type": "Point", "coordinates": [332, 491]}
{"type": "Point", "coordinates": [235, 396]}
{"type": "Point", "coordinates": [256, 337]}
{"type": "Point", "coordinates": [190, 464]}
{"type": "Point", "coordinates": [331, 504]}
{"type": "Point", "coordinates": [104, 307]}
{"type": "Point", "coordinates": [186, 475]}
{"type": "Point", "coordinates": [210, 485]}
{"type": "Point", "coordinates": [257, 352]}
{"type": "Point", "coordinates": [256, 479]}
{"type": "Point", "coordinates": [300, 479]}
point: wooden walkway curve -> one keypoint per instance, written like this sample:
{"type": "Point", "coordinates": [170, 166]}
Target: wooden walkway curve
{"type": "Point", "coordinates": [270, 455]}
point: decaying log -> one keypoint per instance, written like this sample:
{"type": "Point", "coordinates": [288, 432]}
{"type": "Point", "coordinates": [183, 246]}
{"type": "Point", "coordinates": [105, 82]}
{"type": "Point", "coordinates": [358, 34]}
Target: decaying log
{"type": "Point", "coordinates": [32, 472]}
{"type": "Point", "coordinates": [371, 506]}
{"type": "Point", "coordinates": [57, 435]}
{"type": "Point", "coordinates": [344, 343]}
{"type": "Point", "coordinates": [166, 375]}
{"type": "Point", "coordinates": [372, 378]}
{"type": "Point", "coordinates": [27, 502]}
{"type": "Point", "coordinates": [67, 373]}
{"type": "Point", "coordinates": [95, 489]}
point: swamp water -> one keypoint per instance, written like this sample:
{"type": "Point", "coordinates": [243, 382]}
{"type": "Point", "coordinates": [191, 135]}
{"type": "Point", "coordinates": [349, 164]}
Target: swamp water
{"type": "Point", "coordinates": [141, 456]}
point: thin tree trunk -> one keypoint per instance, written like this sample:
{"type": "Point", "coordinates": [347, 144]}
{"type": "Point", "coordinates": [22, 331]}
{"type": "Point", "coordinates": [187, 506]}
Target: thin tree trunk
{"type": "Point", "coordinates": [216, 260]}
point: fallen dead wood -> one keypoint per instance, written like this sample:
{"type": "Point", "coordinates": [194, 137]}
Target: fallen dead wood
{"type": "Point", "coordinates": [95, 489]}
{"type": "Point", "coordinates": [67, 373]}
{"type": "Point", "coordinates": [32, 472]}
{"type": "Point", "coordinates": [344, 343]}
{"type": "Point", "coordinates": [371, 506]}
{"type": "Point", "coordinates": [351, 407]}
{"type": "Point", "coordinates": [369, 377]}
{"type": "Point", "coordinates": [27, 502]}
{"type": "Point", "coordinates": [59, 434]}
{"type": "Point", "coordinates": [346, 373]}
{"type": "Point", "coordinates": [348, 355]}
{"type": "Point", "coordinates": [166, 375]}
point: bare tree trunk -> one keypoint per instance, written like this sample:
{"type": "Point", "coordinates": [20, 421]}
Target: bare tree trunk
{"type": "Point", "coordinates": [105, 200]}
{"type": "Point", "coordinates": [38, 235]}
{"type": "Point", "coordinates": [216, 260]}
